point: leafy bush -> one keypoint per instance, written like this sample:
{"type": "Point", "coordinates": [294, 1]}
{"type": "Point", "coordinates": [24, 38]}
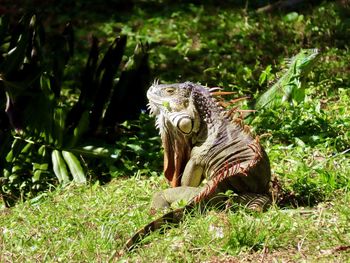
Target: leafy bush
{"type": "Point", "coordinates": [45, 139]}
{"type": "Point", "coordinates": [311, 122]}
{"type": "Point", "coordinates": [138, 149]}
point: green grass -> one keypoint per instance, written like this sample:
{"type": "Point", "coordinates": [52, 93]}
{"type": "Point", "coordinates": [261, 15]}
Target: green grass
{"type": "Point", "coordinates": [90, 223]}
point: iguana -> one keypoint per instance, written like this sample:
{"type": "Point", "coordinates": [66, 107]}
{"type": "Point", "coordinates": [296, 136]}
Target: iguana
{"type": "Point", "coordinates": [205, 153]}
{"type": "Point", "coordinates": [290, 87]}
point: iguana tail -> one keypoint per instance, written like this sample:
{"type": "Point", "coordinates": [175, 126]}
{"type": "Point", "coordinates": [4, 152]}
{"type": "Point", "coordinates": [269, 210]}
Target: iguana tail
{"type": "Point", "coordinates": [256, 202]}
{"type": "Point", "coordinates": [172, 217]}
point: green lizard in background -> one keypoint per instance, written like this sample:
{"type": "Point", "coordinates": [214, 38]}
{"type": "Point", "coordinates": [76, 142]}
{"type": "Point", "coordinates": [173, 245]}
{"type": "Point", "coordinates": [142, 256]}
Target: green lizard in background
{"type": "Point", "coordinates": [290, 87]}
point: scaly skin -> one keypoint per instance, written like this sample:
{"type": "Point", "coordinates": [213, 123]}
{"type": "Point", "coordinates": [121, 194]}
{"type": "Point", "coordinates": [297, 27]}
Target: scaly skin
{"type": "Point", "coordinates": [205, 153]}
{"type": "Point", "coordinates": [290, 87]}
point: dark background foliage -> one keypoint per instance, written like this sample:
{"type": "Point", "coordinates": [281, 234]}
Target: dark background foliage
{"type": "Point", "coordinates": [78, 83]}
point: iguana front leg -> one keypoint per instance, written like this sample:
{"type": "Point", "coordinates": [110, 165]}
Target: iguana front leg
{"type": "Point", "coordinates": [190, 181]}
{"type": "Point", "coordinates": [193, 174]}
{"type": "Point", "coordinates": [169, 196]}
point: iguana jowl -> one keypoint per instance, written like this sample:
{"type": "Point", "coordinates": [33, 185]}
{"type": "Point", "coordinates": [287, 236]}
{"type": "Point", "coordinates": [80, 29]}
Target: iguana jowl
{"type": "Point", "coordinates": [202, 143]}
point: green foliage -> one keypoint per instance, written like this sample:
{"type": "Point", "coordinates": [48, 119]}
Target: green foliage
{"type": "Point", "coordinates": [266, 75]}
{"type": "Point", "coordinates": [206, 43]}
{"type": "Point", "coordinates": [137, 152]}
{"type": "Point", "coordinates": [310, 122]}
{"type": "Point", "coordinates": [43, 136]}
{"type": "Point", "coordinates": [25, 171]}
{"type": "Point", "coordinates": [254, 232]}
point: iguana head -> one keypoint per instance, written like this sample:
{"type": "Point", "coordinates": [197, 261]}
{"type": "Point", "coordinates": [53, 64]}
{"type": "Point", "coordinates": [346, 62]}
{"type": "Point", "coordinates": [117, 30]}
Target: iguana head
{"type": "Point", "coordinates": [173, 102]}
{"type": "Point", "coordinates": [304, 60]}
{"type": "Point", "coordinates": [168, 97]}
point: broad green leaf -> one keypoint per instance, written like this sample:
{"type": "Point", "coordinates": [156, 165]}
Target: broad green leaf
{"type": "Point", "coordinates": [74, 167]}
{"type": "Point", "coordinates": [59, 167]}
{"type": "Point", "coordinates": [290, 17]}
{"type": "Point", "coordinates": [94, 151]}
{"type": "Point", "coordinates": [265, 75]}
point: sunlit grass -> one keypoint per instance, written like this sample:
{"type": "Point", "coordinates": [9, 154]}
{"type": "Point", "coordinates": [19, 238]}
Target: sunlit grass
{"type": "Point", "coordinates": [84, 223]}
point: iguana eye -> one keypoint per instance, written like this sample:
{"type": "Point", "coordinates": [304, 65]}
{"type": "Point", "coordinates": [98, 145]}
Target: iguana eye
{"type": "Point", "coordinates": [170, 91]}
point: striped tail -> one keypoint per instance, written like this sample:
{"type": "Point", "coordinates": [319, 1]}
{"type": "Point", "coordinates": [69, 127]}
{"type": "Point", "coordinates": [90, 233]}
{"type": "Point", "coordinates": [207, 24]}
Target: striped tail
{"type": "Point", "coordinates": [252, 201]}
